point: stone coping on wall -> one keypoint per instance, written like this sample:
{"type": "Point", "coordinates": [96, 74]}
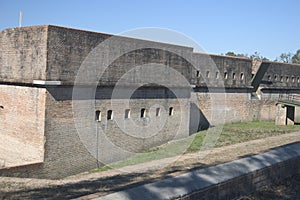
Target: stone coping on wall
{"type": "Point", "coordinates": [228, 180]}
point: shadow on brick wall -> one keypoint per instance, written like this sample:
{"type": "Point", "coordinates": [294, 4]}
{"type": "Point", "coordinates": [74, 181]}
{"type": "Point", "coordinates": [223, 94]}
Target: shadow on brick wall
{"type": "Point", "coordinates": [198, 121]}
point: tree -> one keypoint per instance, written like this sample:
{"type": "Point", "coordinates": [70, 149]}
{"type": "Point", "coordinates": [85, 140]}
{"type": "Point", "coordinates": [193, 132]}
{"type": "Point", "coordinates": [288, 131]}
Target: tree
{"type": "Point", "coordinates": [265, 59]}
{"type": "Point", "coordinates": [230, 53]}
{"type": "Point", "coordinates": [242, 55]}
{"type": "Point", "coordinates": [296, 57]}
{"type": "Point", "coordinates": [256, 55]}
{"type": "Point", "coordinates": [286, 57]}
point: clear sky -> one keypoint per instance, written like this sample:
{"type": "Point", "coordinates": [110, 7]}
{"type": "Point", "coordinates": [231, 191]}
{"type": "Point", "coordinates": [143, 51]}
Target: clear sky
{"type": "Point", "coordinates": [270, 27]}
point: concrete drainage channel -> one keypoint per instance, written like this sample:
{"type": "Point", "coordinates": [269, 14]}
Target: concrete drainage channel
{"type": "Point", "coordinates": [225, 181]}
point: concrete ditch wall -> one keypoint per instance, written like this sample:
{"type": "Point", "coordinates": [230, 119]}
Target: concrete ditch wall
{"type": "Point", "coordinates": [225, 181]}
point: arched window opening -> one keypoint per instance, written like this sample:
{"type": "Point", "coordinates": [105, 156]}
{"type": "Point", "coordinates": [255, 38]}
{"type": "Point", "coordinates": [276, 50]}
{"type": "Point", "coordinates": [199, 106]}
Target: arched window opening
{"type": "Point", "coordinates": [171, 111]}
{"type": "Point", "coordinates": [127, 113]}
{"type": "Point", "coordinates": [143, 113]}
{"type": "Point", "coordinates": [109, 115]}
{"type": "Point", "coordinates": [157, 113]}
{"type": "Point", "coordinates": [98, 116]}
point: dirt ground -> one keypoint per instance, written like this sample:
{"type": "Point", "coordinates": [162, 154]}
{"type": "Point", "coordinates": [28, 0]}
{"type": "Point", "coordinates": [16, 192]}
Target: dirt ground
{"type": "Point", "coordinates": [90, 185]}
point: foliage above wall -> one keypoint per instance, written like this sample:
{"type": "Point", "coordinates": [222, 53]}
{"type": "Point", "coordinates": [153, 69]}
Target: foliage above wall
{"type": "Point", "coordinates": [284, 57]}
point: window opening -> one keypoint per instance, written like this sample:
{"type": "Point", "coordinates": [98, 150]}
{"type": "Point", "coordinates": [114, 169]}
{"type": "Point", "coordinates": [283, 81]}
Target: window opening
{"type": "Point", "coordinates": [98, 116]}
{"type": "Point", "coordinates": [143, 113]}
{"type": "Point", "coordinates": [171, 111]}
{"type": "Point", "coordinates": [157, 112]}
{"type": "Point", "coordinates": [109, 115]}
{"type": "Point", "coordinates": [127, 113]}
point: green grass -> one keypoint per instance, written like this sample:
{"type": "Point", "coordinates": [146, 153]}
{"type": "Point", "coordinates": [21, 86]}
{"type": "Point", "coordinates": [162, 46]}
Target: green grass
{"type": "Point", "coordinates": [245, 131]}
{"type": "Point", "coordinates": [165, 151]}
{"type": "Point", "coordinates": [242, 132]}
{"type": "Point", "coordinates": [104, 168]}
{"type": "Point", "coordinates": [231, 134]}
{"type": "Point", "coordinates": [197, 142]}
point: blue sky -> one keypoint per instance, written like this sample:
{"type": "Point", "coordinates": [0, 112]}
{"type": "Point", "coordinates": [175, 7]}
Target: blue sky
{"type": "Point", "coordinates": [270, 27]}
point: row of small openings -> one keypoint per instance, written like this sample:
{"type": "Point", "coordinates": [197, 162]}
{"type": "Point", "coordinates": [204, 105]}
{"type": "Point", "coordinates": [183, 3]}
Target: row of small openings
{"type": "Point", "coordinates": [207, 75]}
{"type": "Point", "coordinates": [157, 112]}
{"type": "Point", "coordinates": [242, 76]}
{"type": "Point", "coordinates": [98, 115]}
{"type": "Point", "coordinates": [127, 113]}
{"type": "Point", "coordinates": [286, 79]}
